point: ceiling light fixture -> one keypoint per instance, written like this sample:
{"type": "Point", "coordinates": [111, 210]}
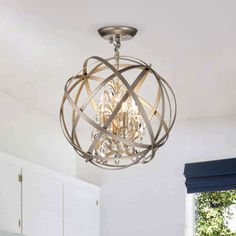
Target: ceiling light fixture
{"type": "Point", "coordinates": [129, 109]}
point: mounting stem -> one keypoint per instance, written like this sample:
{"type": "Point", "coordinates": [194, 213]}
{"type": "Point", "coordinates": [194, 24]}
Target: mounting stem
{"type": "Point", "coordinates": [116, 34]}
{"type": "Point", "coordinates": [117, 45]}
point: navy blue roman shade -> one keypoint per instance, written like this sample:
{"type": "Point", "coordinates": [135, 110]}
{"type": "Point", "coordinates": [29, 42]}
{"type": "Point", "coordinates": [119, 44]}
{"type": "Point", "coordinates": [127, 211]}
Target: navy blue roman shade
{"type": "Point", "coordinates": [210, 176]}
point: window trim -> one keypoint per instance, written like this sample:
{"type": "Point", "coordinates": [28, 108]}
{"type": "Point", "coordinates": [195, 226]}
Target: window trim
{"type": "Point", "coordinates": [189, 214]}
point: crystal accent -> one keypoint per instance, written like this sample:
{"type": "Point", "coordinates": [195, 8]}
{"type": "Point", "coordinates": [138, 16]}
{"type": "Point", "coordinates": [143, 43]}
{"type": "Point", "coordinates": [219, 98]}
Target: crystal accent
{"type": "Point", "coordinates": [128, 123]}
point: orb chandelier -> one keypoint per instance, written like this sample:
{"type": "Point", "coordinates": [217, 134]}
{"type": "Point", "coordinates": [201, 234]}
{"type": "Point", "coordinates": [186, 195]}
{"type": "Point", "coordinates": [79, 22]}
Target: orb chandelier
{"type": "Point", "coordinates": [117, 112]}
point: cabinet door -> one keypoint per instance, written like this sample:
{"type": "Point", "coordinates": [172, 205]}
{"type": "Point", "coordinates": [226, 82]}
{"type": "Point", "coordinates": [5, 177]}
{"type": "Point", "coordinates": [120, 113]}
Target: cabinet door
{"type": "Point", "coordinates": [10, 198]}
{"type": "Point", "coordinates": [81, 211]}
{"type": "Point", "coordinates": [42, 197]}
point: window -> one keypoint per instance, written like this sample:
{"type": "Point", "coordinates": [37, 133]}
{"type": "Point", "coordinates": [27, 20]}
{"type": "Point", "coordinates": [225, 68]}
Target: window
{"type": "Point", "coordinates": [215, 213]}
{"type": "Point", "coordinates": [211, 202]}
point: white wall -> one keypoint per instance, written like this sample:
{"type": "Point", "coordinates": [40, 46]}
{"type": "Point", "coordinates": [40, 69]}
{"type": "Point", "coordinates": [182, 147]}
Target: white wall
{"type": "Point", "coordinates": [150, 199]}
{"type": "Point", "coordinates": [29, 134]}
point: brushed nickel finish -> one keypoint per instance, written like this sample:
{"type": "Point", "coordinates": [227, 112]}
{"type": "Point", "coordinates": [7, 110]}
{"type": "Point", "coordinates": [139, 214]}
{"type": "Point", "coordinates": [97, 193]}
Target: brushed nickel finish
{"type": "Point", "coordinates": [117, 32]}
{"type": "Point", "coordinates": [82, 103]}
{"type": "Point", "coordinates": [163, 110]}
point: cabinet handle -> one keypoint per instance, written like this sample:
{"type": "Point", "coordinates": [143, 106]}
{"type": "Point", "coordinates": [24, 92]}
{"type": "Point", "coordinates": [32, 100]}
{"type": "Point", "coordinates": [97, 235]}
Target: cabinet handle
{"type": "Point", "coordinates": [19, 223]}
{"type": "Point", "coordinates": [97, 202]}
{"type": "Point", "coordinates": [20, 177]}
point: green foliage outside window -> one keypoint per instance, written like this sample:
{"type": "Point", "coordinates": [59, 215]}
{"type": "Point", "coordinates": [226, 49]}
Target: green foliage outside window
{"type": "Point", "coordinates": [213, 213]}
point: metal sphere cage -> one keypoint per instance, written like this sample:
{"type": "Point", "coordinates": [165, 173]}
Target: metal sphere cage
{"type": "Point", "coordinates": [152, 95]}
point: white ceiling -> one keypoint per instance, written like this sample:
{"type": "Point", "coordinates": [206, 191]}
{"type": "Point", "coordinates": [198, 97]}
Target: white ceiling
{"type": "Point", "coordinates": [190, 43]}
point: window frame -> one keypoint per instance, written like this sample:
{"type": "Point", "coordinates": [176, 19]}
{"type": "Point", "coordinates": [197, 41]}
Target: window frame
{"type": "Point", "coordinates": [190, 214]}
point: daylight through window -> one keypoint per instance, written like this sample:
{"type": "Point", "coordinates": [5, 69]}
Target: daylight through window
{"type": "Point", "coordinates": [215, 213]}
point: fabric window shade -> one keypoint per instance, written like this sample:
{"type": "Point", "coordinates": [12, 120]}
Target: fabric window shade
{"type": "Point", "coordinates": [210, 176]}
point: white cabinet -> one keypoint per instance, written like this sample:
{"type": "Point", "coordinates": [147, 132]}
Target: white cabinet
{"type": "Point", "coordinates": [42, 203]}
{"type": "Point", "coordinates": [10, 197]}
{"type": "Point", "coordinates": [45, 203]}
{"type": "Point", "coordinates": [81, 211]}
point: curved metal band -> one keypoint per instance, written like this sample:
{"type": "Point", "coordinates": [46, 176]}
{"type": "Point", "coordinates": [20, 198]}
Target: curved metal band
{"type": "Point", "coordinates": [134, 96]}
{"type": "Point", "coordinates": [165, 96]}
{"type": "Point", "coordinates": [118, 107]}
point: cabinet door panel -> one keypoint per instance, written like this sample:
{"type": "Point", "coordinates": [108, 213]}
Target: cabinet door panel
{"type": "Point", "coordinates": [10, 197]}
{"type": "Point", "coordinates": [81, 213]}
{"type": "Point", "coordinates": [42, 205]}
